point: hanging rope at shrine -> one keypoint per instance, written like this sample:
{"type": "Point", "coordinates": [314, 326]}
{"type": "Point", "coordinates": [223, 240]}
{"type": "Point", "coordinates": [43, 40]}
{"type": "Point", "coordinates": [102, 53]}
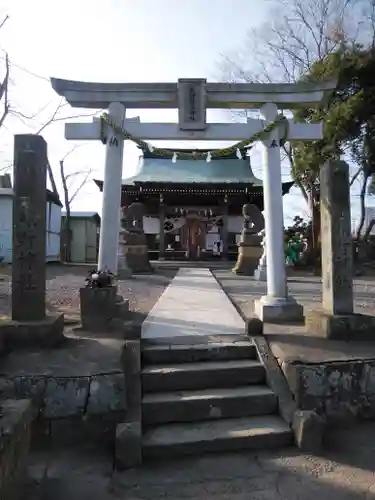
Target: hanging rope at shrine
{"type": "Point", "coordinates": [193, 155]}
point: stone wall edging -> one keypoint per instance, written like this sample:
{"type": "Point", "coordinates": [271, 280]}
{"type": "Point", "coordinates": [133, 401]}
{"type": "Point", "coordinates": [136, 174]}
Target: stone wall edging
{"type": "Point", "coordinates": [338, 391]}
{"type": "Point", "coordinates": [66, 396]}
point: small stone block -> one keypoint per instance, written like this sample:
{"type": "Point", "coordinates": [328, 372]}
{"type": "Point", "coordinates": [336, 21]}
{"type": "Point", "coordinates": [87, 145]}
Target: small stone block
{"type": "Point", "coordinates": [279, 313]}
{"type": "Point", "coordinates": [254, 326]}
{"type": "Point", "coordinates": [131, 362]}
{"type": "Point", "coordinates": [322, 324]}
{"type": "Point", "coordinates": [46, 333]}
{"type": "Point", "coordinates": [128, 445]}
{"type": "Point", "coordinates": [98, 307]}
{"type": "Point", "coordinates": [308, 429]}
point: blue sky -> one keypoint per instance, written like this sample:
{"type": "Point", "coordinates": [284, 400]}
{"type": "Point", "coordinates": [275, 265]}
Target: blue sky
{"type": "Point", "coordinates": [116, 40]}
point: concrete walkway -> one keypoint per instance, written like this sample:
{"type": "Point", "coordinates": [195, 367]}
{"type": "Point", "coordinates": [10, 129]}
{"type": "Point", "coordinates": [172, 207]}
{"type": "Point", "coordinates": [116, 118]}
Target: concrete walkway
{"type": "Point", "coordinates": [193, 305]}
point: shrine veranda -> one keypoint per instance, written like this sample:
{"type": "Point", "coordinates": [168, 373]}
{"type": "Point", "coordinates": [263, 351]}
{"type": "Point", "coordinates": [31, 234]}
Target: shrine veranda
{"type": "Point", "coordinates": [192, 98]}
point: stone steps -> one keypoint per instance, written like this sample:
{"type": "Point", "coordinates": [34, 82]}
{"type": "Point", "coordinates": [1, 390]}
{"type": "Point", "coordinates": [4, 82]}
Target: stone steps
{"type": "Point", "coordinates": [260, 432]}
{"type": "Point", "coordinates": [188, 353]}
{"type": "Point", "coordinates": [205, 397]}
{"type": "Point", "coordinates": [202, 375]}
{"type": "Point", "coordinates": [208, 404]}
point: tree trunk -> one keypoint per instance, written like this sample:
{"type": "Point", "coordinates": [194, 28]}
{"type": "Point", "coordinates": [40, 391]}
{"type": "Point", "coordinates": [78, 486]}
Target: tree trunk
{"type": "Point", "coordinates": [315, 231]}
{"type": "Point", "coordinates": [67, 233]}
{"type": "Point", "coordinates": [362, 200]}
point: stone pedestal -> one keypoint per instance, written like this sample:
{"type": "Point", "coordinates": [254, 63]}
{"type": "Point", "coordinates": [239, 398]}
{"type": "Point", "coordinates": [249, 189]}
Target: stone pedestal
{"type": "Point", "coordinates": [336, 318]}
{"type": "Point", "coordinates": [45, 333]}
{"type": "Point", "coordinates": [133, 248]}
{"type": "Point", "coordinates": [278, 310]}
{"type": "Point", "coordinates": [249, 253]}
{"type": "Point", "coordinates": [321, 323]}
{"type": "Point", "coordinates": [249, 247]}
{"type": "Point", "coordinates": [100, 307]}
{"type": "Point", "coordinates": [137, 260]}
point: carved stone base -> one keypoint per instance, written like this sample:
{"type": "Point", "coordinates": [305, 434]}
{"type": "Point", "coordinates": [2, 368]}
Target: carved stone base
{"type": "Point", "coordinates": [278, 310]}
{"type": "Point", "coordinates": [46, 333]}
{"type": "Point", "coordinates": [137, 259]}
{"type": "Point", "coordinates": [322, 324]}
{"type": "Point", "coordinates": [249, 253]}
{"type": "Point", "coordinates": [100, 307]}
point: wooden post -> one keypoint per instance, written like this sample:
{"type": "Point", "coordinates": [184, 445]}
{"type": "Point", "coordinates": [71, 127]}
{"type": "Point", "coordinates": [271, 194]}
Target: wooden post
{"type": "Point", "coordinates": [161, 230]}
{"type": "Point", "coordinates": [224, 229]}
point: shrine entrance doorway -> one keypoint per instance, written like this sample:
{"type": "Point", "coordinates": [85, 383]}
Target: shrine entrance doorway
{"type": "Point", "coordinates": [195, 237]}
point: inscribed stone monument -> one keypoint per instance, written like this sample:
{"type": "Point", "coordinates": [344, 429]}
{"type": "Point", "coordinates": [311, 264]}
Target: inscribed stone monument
{"type": "Point", "coordinates": [29, 229]}
{"type": "Point", "coordinates": [29, 324]}
{"type": "Point", "coordinates": [336, 319]}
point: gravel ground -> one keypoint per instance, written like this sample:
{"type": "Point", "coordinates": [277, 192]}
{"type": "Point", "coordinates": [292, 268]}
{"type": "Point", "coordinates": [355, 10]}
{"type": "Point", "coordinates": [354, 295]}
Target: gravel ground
{"type": "Point", "coordinates": [63, 283]}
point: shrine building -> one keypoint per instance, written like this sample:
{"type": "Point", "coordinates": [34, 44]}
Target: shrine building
{"type": "Point", "coordinates": [193, 208]}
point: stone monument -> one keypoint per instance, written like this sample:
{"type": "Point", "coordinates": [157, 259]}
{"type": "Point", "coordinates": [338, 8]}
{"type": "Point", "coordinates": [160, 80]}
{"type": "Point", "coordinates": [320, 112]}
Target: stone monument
{"type": "Point", "coordinates": [336, 319]}
{"type": "Point", "coordinates": [249, 246]}
{"type": "Point", "coordinates": [260, 273]}
{"type": "Point", "coordinates": [133, 251]}
{"type": "Point", "coordinates": [29, 324]}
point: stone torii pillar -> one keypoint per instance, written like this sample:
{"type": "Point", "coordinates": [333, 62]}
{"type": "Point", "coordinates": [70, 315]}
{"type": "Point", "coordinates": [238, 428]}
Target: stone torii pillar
{"type": "Point", "coordinates": [276, 305]}
{"type": "Point", "coordinates": [110, 222]}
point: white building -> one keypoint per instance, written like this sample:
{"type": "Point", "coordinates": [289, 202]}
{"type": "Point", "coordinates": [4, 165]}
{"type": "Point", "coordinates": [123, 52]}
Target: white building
{"type": "Point", "coordinates": [53, 222]}
{"type": "Point", "coordinates": [84, 227]}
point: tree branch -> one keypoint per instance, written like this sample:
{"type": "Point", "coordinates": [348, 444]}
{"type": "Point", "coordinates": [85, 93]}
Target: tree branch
{"type": "Point", "coordinates": [4, 89]}
{"type": "Point", "coordinates": [84, 180]}
{"type": "Point", "coordinates": [4, 21]}
{"type": "Point", "coordinates": [355, 176]}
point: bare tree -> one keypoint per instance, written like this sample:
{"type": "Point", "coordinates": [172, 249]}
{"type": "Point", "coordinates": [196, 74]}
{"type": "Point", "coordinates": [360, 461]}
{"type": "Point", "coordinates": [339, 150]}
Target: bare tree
{"type": "Point", "coordinates": [71, 189]}
{"type": "Point", "coordinates": [297, 34]}
{"type": "Point", "coordinates": [4, 84]}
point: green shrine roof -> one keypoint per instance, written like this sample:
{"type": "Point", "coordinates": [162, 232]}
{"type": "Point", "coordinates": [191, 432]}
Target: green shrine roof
{"type": "Point", "coordinates": [162, 171]}
{"type": "Point", "coordinates": [218, 171]}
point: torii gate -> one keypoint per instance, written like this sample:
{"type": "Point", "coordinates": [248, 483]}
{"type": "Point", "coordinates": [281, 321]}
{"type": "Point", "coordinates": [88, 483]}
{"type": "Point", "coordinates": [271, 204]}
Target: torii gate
{"type": "Point", "coordinates": [193, 97]}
